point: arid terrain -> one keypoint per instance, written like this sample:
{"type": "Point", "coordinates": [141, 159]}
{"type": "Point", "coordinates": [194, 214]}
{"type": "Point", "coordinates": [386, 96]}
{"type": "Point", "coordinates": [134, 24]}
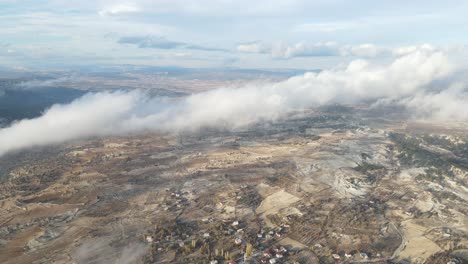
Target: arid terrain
{"type": "Point", "coordinates": [318, 187]}
{"type": "Point", "coordinates": [233, 132]}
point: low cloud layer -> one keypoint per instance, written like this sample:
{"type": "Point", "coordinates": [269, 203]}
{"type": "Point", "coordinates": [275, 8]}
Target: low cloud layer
{"type": "Point", "coordinates": [423, 80]}
{"type": "Point", "coordinates": [100, 251]}
{"type": "Point", "coordinates": [31, 84]}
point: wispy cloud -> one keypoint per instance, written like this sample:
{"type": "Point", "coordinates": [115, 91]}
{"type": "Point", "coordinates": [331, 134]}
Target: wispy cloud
{"type": "Point", "coordinates": [151, 42]}
{"type": "Point", "coordinates": [221, 7]}
{"type": "Point", "coordinates": [253, 47]}
{"type": "Point", "coordinates": [156, 42]}
{"type": "Point", "coordinates": [100, 251]}
{"type": "Point", "coordinates": [120, 9]}
{"type": "Point", "coordinates": [324, 27]}
{"type": "Point", "coordinates": [306, 49]}
{"type": "Point", "coordinates": [285, 51]}
{"type": "Point", "coordinates": [360, 23]}
{"type": "Point", "coordinates": [42, 83]}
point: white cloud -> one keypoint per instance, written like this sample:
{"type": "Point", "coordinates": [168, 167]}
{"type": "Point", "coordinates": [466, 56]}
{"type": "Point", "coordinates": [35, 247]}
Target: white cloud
{"type": "Point", "coordinates": [409, 49]}
{"type": "Point", "coordinates": [42, 83]}
{"type": "Point", "coordinates": [406, 81]}
{"type": "Point", "coordinates": [444, 106]}
{"type": "Point", "coordinates": [324, 27]}
{"type": "Point", "coordinates": [303, 49]}
{"type": "Point", "coordinates": [252, 47]}
{"type": "Point", "coordinates": [281, 50]}
{"type": "Point", "coordinates": [365, 50]}
{"type": "Point", "coordinates": [306, 49]}
{"type": "Point", "coordinates": [119, 9]}
{"type": "Point", "coordinates": [222, 7]}
{"type": "Point", "coordinates": [99, 251]}
{"type": "Point", "coordinates": [284, 51]}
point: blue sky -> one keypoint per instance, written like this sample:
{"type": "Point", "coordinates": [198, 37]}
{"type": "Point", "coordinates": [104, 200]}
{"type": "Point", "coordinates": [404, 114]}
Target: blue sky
{"type": "Point", "coordinates": [203, 33]}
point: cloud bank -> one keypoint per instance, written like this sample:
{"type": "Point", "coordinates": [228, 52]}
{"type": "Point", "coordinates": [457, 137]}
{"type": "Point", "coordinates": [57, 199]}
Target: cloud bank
{"type": "Point", "coordinates": [319, 49]}
{"type": "Point", "coordinates": [423, 80]}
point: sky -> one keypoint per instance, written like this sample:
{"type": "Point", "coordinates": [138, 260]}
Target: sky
{"type": "Point", "coordinates": [306, 34]}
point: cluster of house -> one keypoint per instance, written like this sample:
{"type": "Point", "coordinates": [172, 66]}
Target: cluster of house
{"type": "Point", "coordinates": [225, 227]}
{"type": "Point", "coordinates": [150, 240]}
{"type": "Point", "coordinates": [341, 256]}
{"type": "Point", "coordinates": [167, 241]}
{"type": "Point", "coordinates": [274, 255]}
{"type": "Point", "coordinates": [175, 201]}
{"type": "Point", "coordinates": [338, 257]}
{"type": "Point", "coordinates": [454, 261]}
{"type": "Point", "coordinates": [229, 262]}
{"type": "Point", "coordinates": [228, 226]}
{"type": "Point", "coordinates": [270, 233]}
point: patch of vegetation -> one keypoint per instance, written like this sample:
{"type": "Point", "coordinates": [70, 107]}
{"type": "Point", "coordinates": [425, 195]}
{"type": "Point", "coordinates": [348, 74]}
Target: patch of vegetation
{"type": "Point", "coordinates": [432, 175]}
{"type": "Point", "coordinates": [372, 171]}
{"type": "Point", "coordinates": [412, 153]}
{"type": "Point", "coordinates": [368, 167]}
{"type": "Point", "coordinates": [272, 179]}
{"type": "Point", "coordinates": [365, 156]}
{"type": "Point", "coordinates": [336, 108]}
{"type": "Point", "coordinates": [443, 257]}
{"type": "Point", "coordinates": [279, 179]}
{"type": "Point", "coordinates": [250, 197]}
{"type": "Point", "coordinates": [458, 148]}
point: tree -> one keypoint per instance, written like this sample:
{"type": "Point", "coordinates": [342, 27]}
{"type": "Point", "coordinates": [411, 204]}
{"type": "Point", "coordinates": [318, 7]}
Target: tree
{"type": "Point", "coordinates": [248, 250]}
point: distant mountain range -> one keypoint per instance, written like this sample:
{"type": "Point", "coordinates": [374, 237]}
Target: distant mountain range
{"type": "Point", "coordinates": [18, 104]}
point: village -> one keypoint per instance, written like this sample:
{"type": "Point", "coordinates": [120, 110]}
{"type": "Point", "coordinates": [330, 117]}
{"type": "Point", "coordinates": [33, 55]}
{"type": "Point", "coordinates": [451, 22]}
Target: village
{"type": "Point", "coordinates": [230, 241]}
